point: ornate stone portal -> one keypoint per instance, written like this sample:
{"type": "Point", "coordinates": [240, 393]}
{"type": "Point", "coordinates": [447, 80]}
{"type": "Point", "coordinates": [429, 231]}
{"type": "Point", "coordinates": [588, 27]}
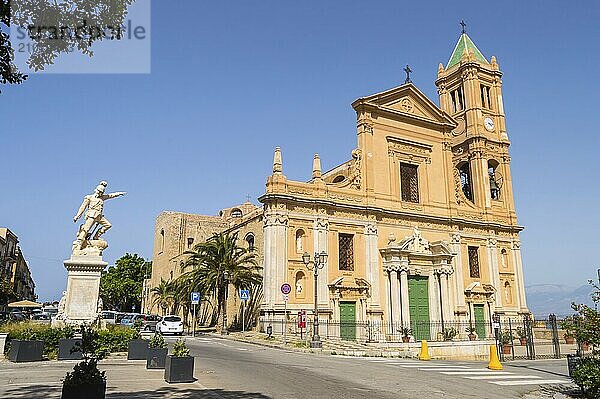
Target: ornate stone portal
{"type": "Point", "coordinates": [81, 304]}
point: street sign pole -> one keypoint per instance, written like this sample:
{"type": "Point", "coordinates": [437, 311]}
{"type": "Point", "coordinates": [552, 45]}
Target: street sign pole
{"type": "Point", "coordinates": [194, 322]}
{"type": "Point", "coordinates": [285, 323]}
{"type": "Point", "coordinates": [243, 321]}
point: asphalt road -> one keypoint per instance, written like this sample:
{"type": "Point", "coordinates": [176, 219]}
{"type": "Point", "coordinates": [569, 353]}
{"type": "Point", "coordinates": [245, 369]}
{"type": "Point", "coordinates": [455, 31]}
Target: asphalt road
{"type": "Point", "coordinates": [270, 373]}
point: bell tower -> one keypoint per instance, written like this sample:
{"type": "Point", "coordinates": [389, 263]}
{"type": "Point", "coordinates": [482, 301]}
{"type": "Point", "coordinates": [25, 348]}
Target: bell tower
{"type": "Point", "coordinates": [470, 90]}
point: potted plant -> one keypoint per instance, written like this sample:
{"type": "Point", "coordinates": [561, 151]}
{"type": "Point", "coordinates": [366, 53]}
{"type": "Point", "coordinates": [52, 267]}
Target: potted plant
{"type": "Point", "coordinates": [506, 338]}
{"type": "Point", "coordinates": [406, 333]}
{"type": "Point", "coordinates": [522, 334]}
{"type": "Point", "coordinates": [449, 333]}
{"type": "Point", "coordinates": [568, 325]}
{"type": "Point", "coordinates": [26, 349]}
{"type": "Point", "coordinates": [179, 365]}
{"type": "Point", "coordinates": [157, 352]}
{"type": "Point", "coordinates": [86, 381]}
{"type": "Point", "coordinates": [471, 330]}
{"type": "Point", "coordinates": [137, 348]}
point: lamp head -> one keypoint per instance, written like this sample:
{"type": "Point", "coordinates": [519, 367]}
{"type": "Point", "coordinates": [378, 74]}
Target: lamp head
{"type": "Point", "coordinates": [322, 257]}
{"type": "Point", "coordinates": [305, 258]}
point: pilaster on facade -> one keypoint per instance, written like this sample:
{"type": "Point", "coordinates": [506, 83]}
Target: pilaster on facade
{"type": "Point", "coordinates": [321, 244]}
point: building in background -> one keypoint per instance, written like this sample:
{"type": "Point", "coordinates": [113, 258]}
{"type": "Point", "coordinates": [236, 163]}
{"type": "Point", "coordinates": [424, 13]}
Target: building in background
{"type": "Point", "coordinates": [419, 224]}
{"type": "Point", "coordinates": [14, 268]}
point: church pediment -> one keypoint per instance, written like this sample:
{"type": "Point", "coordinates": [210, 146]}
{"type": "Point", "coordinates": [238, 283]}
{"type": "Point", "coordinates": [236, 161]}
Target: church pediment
{"type": "Point", "coordinates": [407, 101]}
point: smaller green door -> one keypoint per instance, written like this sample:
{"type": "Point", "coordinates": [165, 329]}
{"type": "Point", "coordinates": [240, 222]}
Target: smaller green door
{"type": "Point", "coordinates": [348, 321]}
{"type": "Point", "coordinates": [479, 315]}
{"type": "Point", "coordinates": [418, 306]}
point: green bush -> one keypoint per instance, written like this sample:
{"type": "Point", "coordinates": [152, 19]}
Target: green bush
{"type": "Point", "coordinates": [36, 331]}
{"type": "Point", "coordinates": [587, 376]}
{"type": "Point", "coordinates": [114, 339]}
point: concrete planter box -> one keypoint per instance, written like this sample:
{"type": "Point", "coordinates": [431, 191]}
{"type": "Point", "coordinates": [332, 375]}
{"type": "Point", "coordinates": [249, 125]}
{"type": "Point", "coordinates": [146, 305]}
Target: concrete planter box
{"type": "Point", "coordinates": [137, 350]}
{"type": "Point", "coordinates": [179, 369]}
{"type": "Point", "coordinates": [84, 391]}
{"type": "Point", "coordinates": [25, 351]}
{"type": "Point", "coordinates": [66, 349]}
{"type": "Point", "coordinates": [156, 358]}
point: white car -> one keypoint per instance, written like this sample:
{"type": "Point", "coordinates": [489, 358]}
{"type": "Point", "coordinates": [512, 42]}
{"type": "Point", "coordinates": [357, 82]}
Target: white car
{"type": "Point", "coordinates": [170, 324]}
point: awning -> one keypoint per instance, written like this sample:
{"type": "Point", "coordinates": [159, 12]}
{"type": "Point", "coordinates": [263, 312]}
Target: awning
{"type": "Point", "coordinates": [24, 304]}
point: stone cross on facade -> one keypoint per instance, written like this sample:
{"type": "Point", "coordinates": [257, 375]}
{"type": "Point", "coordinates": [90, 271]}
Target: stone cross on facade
{"type": "Point", "coordinates": [408, 71]}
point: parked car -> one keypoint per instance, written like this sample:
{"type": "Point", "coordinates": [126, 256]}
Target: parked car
{"type": "Point", "coordinates": [41, 317]}
{"type": "Point", "coordinates": [129, 319]}
{"type": "Point", "coordinates": [109, 316]}
{"type": "Point", "coordinates": [16, 315]}
{"type": "Point", "coordinates": [170, 324]}
{"type": "Point", "coordinates": [149, 322]}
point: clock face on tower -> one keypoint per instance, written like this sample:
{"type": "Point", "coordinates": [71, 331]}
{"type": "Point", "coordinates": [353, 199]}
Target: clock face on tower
{"type": "Point", "coordinates": [488, 123]}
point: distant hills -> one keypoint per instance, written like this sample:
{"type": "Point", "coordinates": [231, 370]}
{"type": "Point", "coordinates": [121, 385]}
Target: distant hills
{"type": "Point", "coordinates": [543, 299]}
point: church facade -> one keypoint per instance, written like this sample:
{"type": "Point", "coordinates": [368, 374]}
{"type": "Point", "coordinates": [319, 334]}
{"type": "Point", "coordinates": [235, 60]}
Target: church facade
{"type": "Point", "coordinates": [419, 225]}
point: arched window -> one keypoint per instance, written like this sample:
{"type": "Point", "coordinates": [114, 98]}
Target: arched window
{"type": "Point", "coordinates": [236, 213]}
{"type": "Point", "coordinates": [466, 182]}
{"type": "Point", "coordinates": [162, 240]}
{"type": "Point", "coordinates": [171, 275]}
{"type": "Point", "coordinates": [250, 240]}
{"type": "Point", "coordinates": [339, 179]}
{"type": "Point", "coordinates": [299, 286]}
{"type": "Point", "coordinates": [300, 241]}
{"type": "Point", "coordinates": [495, 179]}
{"type": "Point", "coordinates": [190, 242]}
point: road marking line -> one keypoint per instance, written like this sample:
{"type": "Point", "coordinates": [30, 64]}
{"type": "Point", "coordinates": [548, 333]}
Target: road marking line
{"type": "Point", "coordinates": [500, 377]}
{"type": "Point", "coordinates": [531, 382]}
{"type": "Point", "coordinates": [432, 366]}
{"type": "Point", "coordinates": [455, 368]}
{"type": "Point", "coordinates": [475, 372]}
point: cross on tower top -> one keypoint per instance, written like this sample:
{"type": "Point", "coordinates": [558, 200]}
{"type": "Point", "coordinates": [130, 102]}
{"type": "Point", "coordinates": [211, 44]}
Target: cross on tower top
{"type": "Point", "coordinates": [248, 198]}
{"type": "Point", "coordinates": [462, 23]}
{"type": "Point", "coordinates": [408, 71]}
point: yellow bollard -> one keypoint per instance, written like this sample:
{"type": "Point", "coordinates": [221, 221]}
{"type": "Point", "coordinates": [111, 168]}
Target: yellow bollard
{"type": "Point", "coordinates": [424, 355]}
{"type": "Point", "coordinates": [494, 363]}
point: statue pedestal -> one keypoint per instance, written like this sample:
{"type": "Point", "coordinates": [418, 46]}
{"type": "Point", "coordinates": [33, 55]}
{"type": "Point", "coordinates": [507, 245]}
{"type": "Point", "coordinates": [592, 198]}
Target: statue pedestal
{"type": "Point", "coordinates": [83, 288]}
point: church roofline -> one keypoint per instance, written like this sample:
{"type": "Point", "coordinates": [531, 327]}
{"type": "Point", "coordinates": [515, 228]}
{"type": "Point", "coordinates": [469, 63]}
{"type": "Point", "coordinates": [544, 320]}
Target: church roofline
{"type": "Point", "coordinates": [465, 42]}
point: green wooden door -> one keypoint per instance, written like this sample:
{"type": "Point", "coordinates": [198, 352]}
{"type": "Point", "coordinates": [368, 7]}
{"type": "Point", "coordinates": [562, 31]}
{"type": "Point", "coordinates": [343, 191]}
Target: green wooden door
{"type": "Point", "coordinates": [348, 321]}
{"type": "Point", "coordinates": [479, 316]}
{"type": "Point", "coordinates": [418, 303]}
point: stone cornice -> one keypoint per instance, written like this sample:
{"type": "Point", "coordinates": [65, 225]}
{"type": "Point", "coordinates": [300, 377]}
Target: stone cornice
{"type": "Point", "coordinates": [450, 221]}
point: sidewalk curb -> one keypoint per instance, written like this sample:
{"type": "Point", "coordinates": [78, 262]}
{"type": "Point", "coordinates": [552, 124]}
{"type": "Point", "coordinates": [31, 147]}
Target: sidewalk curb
{"type": "Point", "coordinates": [268, 345]}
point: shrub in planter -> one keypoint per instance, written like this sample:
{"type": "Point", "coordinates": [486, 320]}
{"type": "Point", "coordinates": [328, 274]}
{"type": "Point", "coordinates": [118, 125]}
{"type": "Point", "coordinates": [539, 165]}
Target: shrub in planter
{"type": "Point", "coordinates": [86, 381]}
{"type": "Point", "coordinates": [587, 376]}
{"type": "Point", "coordinates": [179, 366]}
{"type": "Point", "coordinates": [157, 352]}
{"type": "Point", "coordinates": [26, 349]}
{"type": "Point", "coordinates": [137, 348]}
{"type": "Point", "coordinates": [449, 333]}
{"type": "Point", "coordinates": [471, 330]}
{"type": "Point", "coordinates": [406, 333]}
{"type": "Point", "coordinates": [521, 333]}
{"type": "Point", "coordinates": [506, 338]}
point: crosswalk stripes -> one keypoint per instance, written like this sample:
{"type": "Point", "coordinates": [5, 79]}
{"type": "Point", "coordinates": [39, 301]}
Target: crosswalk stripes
{"type": "Point", "coordinates": [506, 378]}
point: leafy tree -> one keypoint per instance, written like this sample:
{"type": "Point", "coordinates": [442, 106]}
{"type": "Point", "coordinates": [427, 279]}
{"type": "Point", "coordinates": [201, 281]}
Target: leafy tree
{"type": "Point", "coordinates": [586, 329]}
{"type": "Point", "coordinates": [210, 260]}
{"type": "Point", "coordinates": [57, 27]}
{"type": "Point", "coordinates": [121, 286]}
{"type": "Point", "coordinates": [163, 295]}
{"type": "Point", "coordinates": [7, 294]}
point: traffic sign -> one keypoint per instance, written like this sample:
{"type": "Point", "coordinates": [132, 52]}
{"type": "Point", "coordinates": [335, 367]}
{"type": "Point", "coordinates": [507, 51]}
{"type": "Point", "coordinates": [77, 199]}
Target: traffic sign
{"type": "Point", "coordinates": [244, 295]}
{"type": "Point", "coordinates": [195, 297]}
{"type": "Point", "coordinates": [286, 288]}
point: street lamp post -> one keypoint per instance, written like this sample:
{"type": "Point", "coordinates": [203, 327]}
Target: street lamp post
{"type": "Point", "coordinates": [315, 266]}
{"type": "Point", "coordinates": [226, 282]}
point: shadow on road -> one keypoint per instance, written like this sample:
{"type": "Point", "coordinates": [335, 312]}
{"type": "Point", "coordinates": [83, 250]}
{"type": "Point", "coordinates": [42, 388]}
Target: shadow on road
{"type": "Point", "coordinates": [175, 392]}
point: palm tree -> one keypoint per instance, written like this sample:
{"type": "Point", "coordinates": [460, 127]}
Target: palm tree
{"type": "Point", "coordinates": [210, 260]}
{"type": "Point", "coordinates": [163, 294]}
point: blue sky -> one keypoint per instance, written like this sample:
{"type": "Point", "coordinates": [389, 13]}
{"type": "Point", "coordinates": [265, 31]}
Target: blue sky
{"type": "Point", "coordinates": [230, 81]}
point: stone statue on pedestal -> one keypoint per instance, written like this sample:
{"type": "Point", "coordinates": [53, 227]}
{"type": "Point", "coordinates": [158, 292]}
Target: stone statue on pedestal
{"type": "Point", "coordinates": [88, 236]}
{"type": "Point", "coordinates": [81, 303]}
